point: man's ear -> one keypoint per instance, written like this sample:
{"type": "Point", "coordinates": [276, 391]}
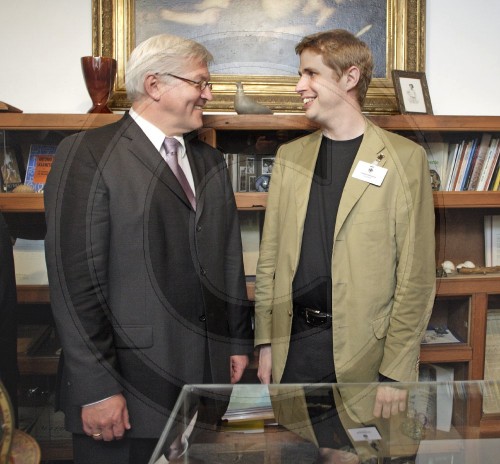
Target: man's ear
{"type": "Point", "coordinates": [152, 86]}
{"type": "Point", "coordinates": [352, 77]}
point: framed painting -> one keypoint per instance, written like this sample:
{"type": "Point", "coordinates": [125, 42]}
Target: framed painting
{"type": "Point", "coordinates": [253, 42]}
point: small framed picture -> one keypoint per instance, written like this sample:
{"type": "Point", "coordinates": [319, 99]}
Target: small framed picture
{"type": "Point", "coordinates": [412, 93]}
{"type": "Point", "coordinates": [267, 165]}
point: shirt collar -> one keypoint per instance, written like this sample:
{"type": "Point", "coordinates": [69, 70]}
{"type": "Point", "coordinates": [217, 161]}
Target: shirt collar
{"type": "Point", "coordinates": [154, 134]}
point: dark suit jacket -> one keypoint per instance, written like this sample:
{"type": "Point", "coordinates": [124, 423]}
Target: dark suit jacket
{"type": "Point", "coordinates": [8, 321]}
{"type": "Point", "coordinates": [141, 285]}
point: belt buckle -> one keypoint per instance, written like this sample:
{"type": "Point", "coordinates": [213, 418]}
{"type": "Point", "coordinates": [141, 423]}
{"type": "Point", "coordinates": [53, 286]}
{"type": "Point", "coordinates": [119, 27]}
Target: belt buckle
{"type": "Point", "coordinates": [314, 317]}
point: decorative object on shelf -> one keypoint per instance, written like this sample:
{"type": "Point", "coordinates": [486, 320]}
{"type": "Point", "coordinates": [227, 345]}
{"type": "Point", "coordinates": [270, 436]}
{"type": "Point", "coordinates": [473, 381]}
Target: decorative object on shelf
{"type": "Point", "coordinates": [243, 104]}
{"type": "Point", "coordinates": [465, 265]}
{"type": "Point", "coordinates": [479, 270]}
{"type": "Point", "coordinates": [23, 188]}
{"type": "Point", "coordinates": [99, 73]}
{"type": "Point", "coordinates": [262, 183]}
{"type": "Point", "coordinates": [412, 93]}
{"type": "Point", "coordinates": [6, 108]}
{"type": "Point", "coordinates": [10, 175]}
{"type": "Point", "coordinates": [448, 267]}
{"type": "Point", "coordinates": [6, 424]}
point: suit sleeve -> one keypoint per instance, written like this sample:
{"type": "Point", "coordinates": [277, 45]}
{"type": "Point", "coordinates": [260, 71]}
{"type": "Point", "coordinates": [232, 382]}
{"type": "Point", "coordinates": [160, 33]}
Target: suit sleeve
{"type": "Point", "coordinates": [238, 305]}
{"type": "Point", "coordinates": [415, 272]}
{"type": "Point", "coordinates": [77, 214]}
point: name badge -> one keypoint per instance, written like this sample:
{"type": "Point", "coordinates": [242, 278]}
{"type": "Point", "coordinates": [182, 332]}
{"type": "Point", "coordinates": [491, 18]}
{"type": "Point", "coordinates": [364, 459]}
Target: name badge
{"type": "Point", "coordinates": [364, 434]}
{"type": "Point", "coordinates": [369, 172]}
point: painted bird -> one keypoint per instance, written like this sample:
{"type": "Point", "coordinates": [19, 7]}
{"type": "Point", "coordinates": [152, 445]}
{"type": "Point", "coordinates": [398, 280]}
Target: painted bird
{"type": "Point", "coordinates": [243, 104]}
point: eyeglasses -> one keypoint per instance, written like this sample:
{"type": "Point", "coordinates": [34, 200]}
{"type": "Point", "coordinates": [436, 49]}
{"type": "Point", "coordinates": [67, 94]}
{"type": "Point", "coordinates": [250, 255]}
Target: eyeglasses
{"type": "Point", "coordinates": [202, 85]}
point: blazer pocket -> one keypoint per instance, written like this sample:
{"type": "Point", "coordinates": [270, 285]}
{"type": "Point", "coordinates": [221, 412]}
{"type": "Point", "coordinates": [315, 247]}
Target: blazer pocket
{"type": "Point", "coordinates": [381, 326]}
{"type": "Point", "coordinates": [133, 336]}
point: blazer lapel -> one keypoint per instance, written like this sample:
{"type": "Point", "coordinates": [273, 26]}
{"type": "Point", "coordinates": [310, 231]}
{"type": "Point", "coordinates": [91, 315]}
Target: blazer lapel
{"type": "Point", "coordinates": [371, 147]}
{"type": "Point", "coordinates": [303, 163]}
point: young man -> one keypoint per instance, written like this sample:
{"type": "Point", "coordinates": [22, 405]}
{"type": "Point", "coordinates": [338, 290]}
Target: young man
{"type": "Point", "coordinates": [144, 257]}
{"type": "Point", "coordinates": [346, 273]}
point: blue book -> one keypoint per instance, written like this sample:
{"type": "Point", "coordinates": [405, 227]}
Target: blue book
{"type": "Point", "coordinates": [39, 164]}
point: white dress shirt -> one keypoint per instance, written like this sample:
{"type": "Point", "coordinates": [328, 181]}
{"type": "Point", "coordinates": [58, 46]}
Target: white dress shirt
{"type": "Point", "coordinates": [156, 136]}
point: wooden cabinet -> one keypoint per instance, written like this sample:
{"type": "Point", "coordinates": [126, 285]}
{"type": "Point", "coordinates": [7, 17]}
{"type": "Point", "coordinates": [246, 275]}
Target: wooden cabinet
{"type": "Point", "coordinates": [462, 302]}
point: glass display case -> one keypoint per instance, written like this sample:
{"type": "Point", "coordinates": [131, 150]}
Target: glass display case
{"type": "Point", "coordinates": [280, 423]}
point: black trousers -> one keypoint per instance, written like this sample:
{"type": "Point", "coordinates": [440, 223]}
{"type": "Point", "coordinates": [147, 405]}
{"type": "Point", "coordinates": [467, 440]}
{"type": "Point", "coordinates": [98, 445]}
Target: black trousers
{"type": "Point", "coordinates": [310, 361]}
{"type": "Point", "coordinates": [86, 450]}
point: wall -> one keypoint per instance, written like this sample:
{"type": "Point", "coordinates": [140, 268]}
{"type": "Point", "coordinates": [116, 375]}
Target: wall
{"type": "Point", "coordinates": [41, 43]}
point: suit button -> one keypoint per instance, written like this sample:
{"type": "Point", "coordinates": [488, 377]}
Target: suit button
{"type": "Point", "coordinates": [203, 272]}
{"type": "Point", "coordinates": [203, 318]}
{"type": "Point", "coordinates": [198, 229]}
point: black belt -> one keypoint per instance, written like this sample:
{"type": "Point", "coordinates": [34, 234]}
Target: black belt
{"type": "Point", "coordinates": [313, 317]}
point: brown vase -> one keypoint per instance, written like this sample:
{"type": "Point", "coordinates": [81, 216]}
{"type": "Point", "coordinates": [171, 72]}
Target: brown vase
{"type": "Point", "coordinates": [99, 73]}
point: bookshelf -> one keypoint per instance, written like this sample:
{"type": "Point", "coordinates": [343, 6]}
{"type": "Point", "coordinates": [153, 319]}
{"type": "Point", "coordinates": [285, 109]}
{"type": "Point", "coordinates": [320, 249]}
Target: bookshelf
{"type": "Point", "coordinates": [459, 229]}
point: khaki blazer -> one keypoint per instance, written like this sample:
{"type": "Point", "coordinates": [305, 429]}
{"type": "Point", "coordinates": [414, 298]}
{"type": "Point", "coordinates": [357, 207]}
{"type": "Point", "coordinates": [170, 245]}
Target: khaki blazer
{"type": "Point", "coordinates": [383, 261]}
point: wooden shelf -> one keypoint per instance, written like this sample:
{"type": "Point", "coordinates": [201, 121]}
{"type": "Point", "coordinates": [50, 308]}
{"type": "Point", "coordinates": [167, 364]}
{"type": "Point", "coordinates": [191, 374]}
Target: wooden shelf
{"type": "Point", "coordinates": [446, 353]}
{"type": "Point", "coordinates": [428, 123]}
{"type": "Point", "coordinates": [33, 202]}
{"type": "Point", "coordinates": [56, 450]}
{"type": "Point", "coordinates": [37, 365]}
{"type": "Point", "coordinates": [65, 122]}
{"type": "Point", "coordinates": [33, 294]}
{"type": "Point", "coordinates": [21, 203]}
{"type": "Point", "coordinates": [231, 121]}
{"type": "Point", "coordinates": [468, 284]}
{"type": "Point", "coordinates": [466, 199]}
{"type": "Point", "coordinates": [459, 233]}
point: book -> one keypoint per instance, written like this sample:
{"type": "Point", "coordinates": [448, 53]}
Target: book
{"type": "Point", "coordinates": [250, 237]}
{"type": "Point", "coordinates": [482, 153]}
{"type": "Point", "coordinates": [489, 165]}
{"type": "Point", "coordinates": [432, 337]}
{"type": "Point", "coordinates": [491, 395]}
{"type": "Point", "coordinates": [29, 262]}
{"type": "Point", "coordinates": [232, 167]}
{"type": "Point", "coordinates": [39, 163]}
{"type": "Point", "coordinates": [455, 152]}
{"type": "Point", "coordinates": [437, 157]}
{"type": "Point", "coordinates": [495, 179]}
{"type": "Point", "coordinates": [249, 402]}
{"type": "Point", "coordinates": [487, 240]}
{"type": "Point", "coordinates": [492, 240]}
{"type": "Point", "coordinates": [465, 159]}
{"type": "Point", "coordinates": [495, 240]}
{"type": "Point", "coordinates": [422, 400]}
{"type": "Point", "coordinates": [444, 396]}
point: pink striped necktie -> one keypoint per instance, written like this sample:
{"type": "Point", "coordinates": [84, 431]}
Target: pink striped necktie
{"type": "Point", "coordinates": [171, 146]}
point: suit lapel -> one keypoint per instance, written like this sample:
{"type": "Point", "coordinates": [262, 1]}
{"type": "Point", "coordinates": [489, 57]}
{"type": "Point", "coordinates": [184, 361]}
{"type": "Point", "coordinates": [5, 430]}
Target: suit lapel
{"type": "Point", "coordinates": [371, 146]}
{"type": "Point", "coordinates": [142, 148]}
{"type": "Point", "coordinates": [198, 169]}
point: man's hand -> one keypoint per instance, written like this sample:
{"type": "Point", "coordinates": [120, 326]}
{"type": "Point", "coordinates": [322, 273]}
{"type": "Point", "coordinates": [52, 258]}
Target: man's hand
{"type": "Point", "coordinates": [389, 401]}
{"type": "Point", "coordinates": [265, 364]}
{"type": "Point", "coordinates": [238, 365]}
{"type": "Point", "coordinates": [106, 420]}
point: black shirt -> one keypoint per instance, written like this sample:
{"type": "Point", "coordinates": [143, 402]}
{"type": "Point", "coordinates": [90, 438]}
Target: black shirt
{"type": "Point", "coordinates": [312, 283]}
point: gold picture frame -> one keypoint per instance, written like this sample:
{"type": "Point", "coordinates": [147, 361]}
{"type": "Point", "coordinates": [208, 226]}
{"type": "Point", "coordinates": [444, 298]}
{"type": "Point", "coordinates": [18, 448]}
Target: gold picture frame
{"type": "Point", "coordinates": [113, 34]}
